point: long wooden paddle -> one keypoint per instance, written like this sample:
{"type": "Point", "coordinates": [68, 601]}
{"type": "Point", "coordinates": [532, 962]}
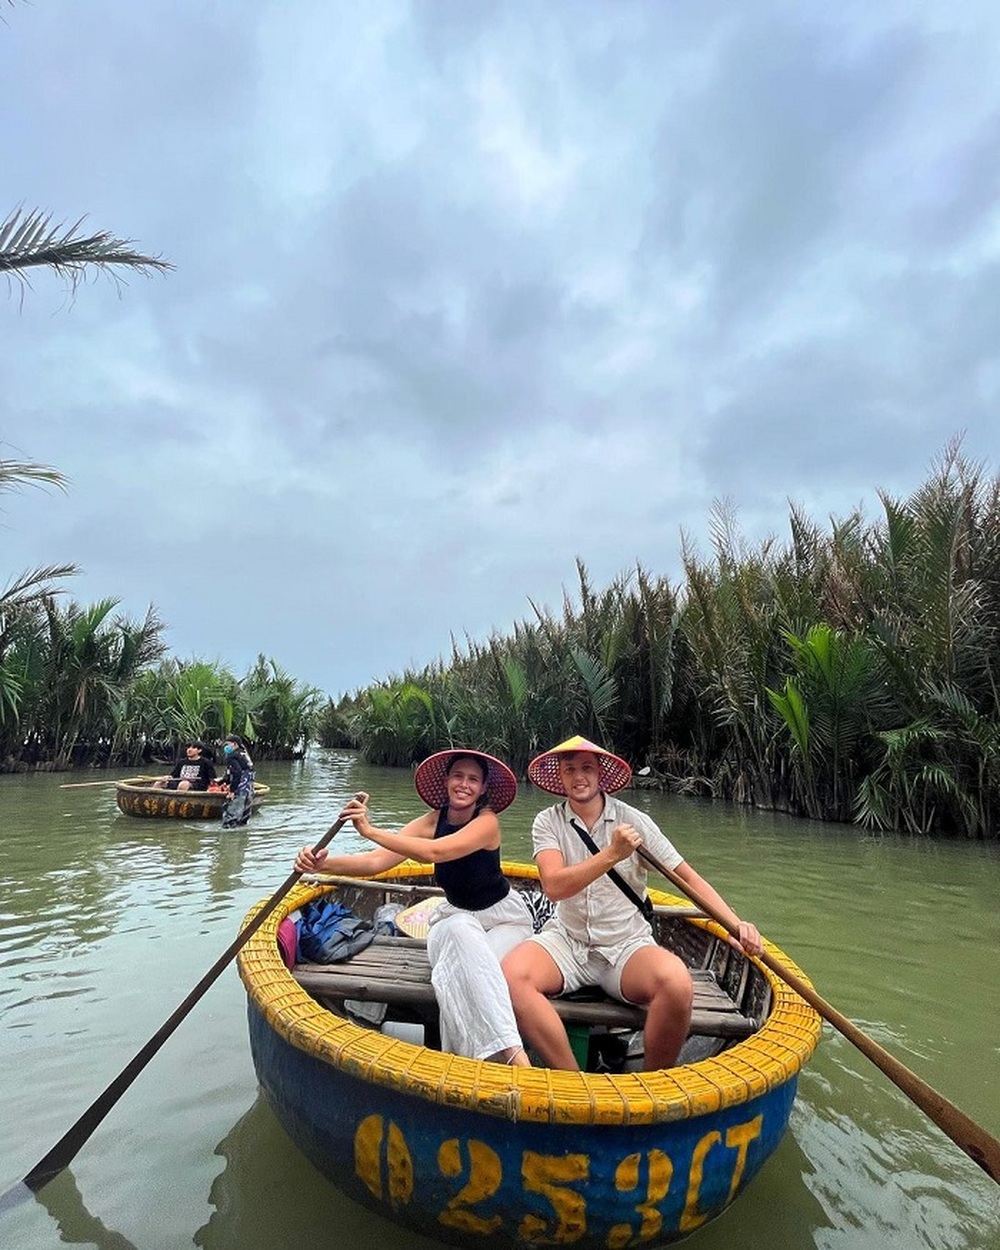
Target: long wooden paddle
{"type": "Point", "coordinates": [81, 785]}
{"type": "Point", "coordinates": [978, 1144]}
{"type": "Point", "coordinates": [67, 1147]}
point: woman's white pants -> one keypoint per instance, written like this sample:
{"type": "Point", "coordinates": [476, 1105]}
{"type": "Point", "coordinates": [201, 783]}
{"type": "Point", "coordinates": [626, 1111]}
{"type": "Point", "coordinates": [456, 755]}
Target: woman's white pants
{"type": "Point", "coordinates": [465, 949]}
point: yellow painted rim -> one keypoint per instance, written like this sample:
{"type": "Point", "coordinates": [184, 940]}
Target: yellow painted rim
{"type": "Point", "coordinates": [751, 1068]}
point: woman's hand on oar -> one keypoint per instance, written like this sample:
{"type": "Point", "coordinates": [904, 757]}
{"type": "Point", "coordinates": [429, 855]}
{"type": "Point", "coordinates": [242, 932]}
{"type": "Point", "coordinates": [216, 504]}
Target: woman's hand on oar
{"type": "Point", "coordinates": [981, 1147]}
{"type": "Point", "coordinates": [66, 1149]}
{"type": "Point", "coordinates": [312, 858]}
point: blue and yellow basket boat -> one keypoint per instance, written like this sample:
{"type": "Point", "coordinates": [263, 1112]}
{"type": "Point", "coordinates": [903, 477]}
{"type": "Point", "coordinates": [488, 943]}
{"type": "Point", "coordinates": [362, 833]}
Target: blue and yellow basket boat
{"type": "Point", "coordinates": [483, 1155]}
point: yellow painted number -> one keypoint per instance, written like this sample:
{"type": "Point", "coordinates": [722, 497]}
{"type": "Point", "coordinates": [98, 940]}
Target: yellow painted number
{"type": "Point", "coordinates": [370, 1138]}
{"type": "Point", "coordinates": [485, 1174]}
{"type": "Point", "coordinates": [661, 1172]}
{"type": "Point", "coordinates": [738, 1138]}
{"type": "Point", "coordinates": [549, 1176]}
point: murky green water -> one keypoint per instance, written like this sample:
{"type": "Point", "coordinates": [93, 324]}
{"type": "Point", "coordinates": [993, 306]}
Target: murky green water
{"type": "Point", "coordinates": [107, 922]}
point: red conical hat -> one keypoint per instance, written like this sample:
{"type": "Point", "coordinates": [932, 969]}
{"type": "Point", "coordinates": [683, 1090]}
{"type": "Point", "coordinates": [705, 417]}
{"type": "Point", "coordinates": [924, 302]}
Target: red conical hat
{"type": "Point", "coordinates": [432, 786]}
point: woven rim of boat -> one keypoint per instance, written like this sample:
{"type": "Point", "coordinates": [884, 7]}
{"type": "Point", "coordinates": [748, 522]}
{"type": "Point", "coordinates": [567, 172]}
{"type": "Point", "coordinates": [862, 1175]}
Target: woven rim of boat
{"type": "Point", "coordinates": [766, 1060]}
{"type": "Point", "coordinates": [143, 785]}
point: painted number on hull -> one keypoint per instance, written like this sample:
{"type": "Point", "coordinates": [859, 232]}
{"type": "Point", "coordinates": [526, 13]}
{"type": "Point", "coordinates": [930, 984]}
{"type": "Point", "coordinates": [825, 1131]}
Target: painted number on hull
{"type": "Point", "coordinates": [384, 1163]}
{"type": "Point", "coordinates": [381, 1152]}
{"type": "Point", "coordinates": [627, 1179]}
{"type": "Point", "coordinates": [484, 1174]}
{"type": "Point", "coordinates": [551, 1176]}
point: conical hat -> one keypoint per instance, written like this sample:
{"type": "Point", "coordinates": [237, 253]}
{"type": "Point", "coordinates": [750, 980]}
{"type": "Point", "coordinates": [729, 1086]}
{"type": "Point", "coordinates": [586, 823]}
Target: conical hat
{"type": "Point", "coordinates": [544, 769]}
{"type": "Point", "coordinates": [432, 783]}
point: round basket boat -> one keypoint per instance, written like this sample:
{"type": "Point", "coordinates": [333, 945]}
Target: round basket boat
{"type": "Point", "coordinates": [480, 1154]}
{"type": "Point", "coordinates": [136, 796]}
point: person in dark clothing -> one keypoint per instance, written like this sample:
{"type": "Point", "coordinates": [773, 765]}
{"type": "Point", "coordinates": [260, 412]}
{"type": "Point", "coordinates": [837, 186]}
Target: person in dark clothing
{"type": "Point", "coordinates": [481, 919]}
{"type": "Point", "coordinates": [238, 781]}
{"type": "Point", "coordinates": [196, 771]}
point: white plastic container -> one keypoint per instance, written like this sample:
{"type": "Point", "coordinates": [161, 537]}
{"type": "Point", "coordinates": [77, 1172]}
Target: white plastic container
{"type": "Point", "coordinates": [404, 1031]}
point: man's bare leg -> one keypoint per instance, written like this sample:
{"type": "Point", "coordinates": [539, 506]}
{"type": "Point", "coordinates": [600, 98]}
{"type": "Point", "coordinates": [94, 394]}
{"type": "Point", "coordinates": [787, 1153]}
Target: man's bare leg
{"type": "Point", "coordinates": [533, 976]}
{"type": "Point", "coordinates": [660, 982]}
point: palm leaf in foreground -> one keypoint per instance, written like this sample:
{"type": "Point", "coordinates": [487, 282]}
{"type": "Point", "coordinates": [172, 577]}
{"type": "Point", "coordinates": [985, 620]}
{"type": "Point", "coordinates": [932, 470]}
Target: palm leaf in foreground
{"type": "Point", "coordinates": [28, 239]}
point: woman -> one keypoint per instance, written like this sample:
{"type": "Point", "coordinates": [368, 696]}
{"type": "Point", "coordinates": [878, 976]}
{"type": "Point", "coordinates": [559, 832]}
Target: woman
{"type": "Point", "coordinates": [238, 781]}
{"type": "Point", "coordinates": [481, 919]}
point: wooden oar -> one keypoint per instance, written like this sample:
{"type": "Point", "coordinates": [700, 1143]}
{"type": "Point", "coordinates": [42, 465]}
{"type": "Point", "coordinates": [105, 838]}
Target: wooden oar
{"type": "Point", "coordinates": [80, 785]}
{"type": "Point", "coordinates": [982, 1147]}
{"type": "Point", "coordinates": [67, 1147]}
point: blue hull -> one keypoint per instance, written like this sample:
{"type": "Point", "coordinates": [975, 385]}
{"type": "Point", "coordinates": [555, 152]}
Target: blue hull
{"type": "Point", "coordinates": [477, 1179]}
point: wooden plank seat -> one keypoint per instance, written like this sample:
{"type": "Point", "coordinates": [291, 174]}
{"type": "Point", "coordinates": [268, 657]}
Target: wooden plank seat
{"type": "Point", "coordinates": [395, 970]}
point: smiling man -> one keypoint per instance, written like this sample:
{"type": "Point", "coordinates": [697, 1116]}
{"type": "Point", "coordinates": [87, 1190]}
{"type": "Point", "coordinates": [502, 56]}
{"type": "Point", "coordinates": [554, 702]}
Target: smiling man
{"type": "Point", "coordinates": [585, 850]}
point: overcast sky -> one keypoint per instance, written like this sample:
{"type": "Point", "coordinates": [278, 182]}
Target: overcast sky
{"type": "Point", "coordinates": [466, 290]}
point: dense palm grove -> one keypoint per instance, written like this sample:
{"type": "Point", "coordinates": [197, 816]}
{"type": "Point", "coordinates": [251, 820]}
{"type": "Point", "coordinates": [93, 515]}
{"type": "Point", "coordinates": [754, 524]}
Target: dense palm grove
{"type": "Point", "coordinates": [87, 685]}
{"type": "Point", "coordinates": [80, 686]}
{"type": "Point", "coordinates": [849, 673]}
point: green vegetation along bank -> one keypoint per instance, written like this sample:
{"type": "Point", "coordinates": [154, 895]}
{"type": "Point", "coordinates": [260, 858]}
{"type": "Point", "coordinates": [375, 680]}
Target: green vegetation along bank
{"type": "Point", "coordinates": [848, 674]}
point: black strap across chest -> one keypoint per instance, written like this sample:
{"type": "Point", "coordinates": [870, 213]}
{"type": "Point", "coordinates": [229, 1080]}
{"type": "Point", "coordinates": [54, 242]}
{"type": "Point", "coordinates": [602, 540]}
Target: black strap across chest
{"type": "Point", "coordinates": [645, 904]}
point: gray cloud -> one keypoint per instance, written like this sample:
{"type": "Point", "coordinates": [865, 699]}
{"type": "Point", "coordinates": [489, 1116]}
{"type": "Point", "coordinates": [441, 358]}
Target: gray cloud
{"type": "Point", "coordinates": [464, 292]}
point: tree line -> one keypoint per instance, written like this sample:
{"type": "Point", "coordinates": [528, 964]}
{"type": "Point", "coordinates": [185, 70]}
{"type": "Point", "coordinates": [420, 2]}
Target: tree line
{"type": "Point", "coordinates": [83, 686]}
{"type": "Point", "coordinates": [87, 685]}
{"type": "Point", "coordinates": [846, 674]}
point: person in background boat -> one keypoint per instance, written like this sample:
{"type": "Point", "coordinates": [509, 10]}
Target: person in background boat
{"type": "Point", "coordinates": [482, 917]}
{"type": "Point", "coordinates": [196, 771]}
{"type": "Point", "coordinates": [598, 935]}
{"type": "Point", "coordinates": [237, 782]}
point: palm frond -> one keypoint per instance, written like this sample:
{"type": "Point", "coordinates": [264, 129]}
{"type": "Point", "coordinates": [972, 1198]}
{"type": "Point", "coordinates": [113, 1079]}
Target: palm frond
{"type": "Point", "coordinates": [17, 473]}
{"type": "Point", "coordinates": [29, 240]}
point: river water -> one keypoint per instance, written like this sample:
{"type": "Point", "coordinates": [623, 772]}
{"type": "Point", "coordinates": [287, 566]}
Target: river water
{"type": "Point", "coordinates": [107, 922]}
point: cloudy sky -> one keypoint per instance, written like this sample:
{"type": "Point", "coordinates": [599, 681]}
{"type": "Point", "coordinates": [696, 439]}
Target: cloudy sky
{"type": "Point", "coordinates": [466, 290]}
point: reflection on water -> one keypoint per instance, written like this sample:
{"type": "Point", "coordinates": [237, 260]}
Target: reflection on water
{"type": "Point", "coordinates": [77, 1227]}
{"type": "Point", "coordinates": [107, 922]}
{"type": "Point", "coordinates": [834, 1181]}
{"type": "Point", "coordinates": [269, 1195]}
{"type": "Point", "coordinates": [269, 1192]}
{"type": "Point", "coordinates": [877, 1165]}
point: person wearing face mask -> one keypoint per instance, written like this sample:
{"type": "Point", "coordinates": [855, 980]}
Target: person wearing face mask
{"type": "Point", "coordinates": [482, 917]}
{"type": "Point", "coordinates": [238, 780]}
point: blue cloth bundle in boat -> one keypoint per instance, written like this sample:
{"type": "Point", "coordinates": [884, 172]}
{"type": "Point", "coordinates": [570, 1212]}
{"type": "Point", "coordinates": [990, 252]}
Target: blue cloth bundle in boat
{"type": "Point", "coordinates": [329, 932]}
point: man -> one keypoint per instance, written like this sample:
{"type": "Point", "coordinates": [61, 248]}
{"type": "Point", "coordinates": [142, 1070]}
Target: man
{"type": "Point", "coordinates": [195, 772]}
{"type": "Point", "coordinates": [599, 936]}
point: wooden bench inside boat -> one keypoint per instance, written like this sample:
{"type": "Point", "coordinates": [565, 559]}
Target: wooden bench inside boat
{"type": "Point", "coordinates": [395, 970]}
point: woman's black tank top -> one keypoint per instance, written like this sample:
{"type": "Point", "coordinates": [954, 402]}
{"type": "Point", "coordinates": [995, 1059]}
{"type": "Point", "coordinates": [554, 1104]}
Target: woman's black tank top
{"type": "Point", "coordinates": [473, 882]}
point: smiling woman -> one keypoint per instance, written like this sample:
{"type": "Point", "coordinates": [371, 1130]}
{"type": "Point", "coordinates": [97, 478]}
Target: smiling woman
{"type": "Point", "coordinates": [482, 918]}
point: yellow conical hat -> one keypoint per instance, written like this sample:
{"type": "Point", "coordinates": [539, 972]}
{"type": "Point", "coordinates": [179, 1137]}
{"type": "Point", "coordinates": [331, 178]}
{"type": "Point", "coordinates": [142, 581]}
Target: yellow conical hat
{"type": "Point", "coordinates": [544, 769]}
